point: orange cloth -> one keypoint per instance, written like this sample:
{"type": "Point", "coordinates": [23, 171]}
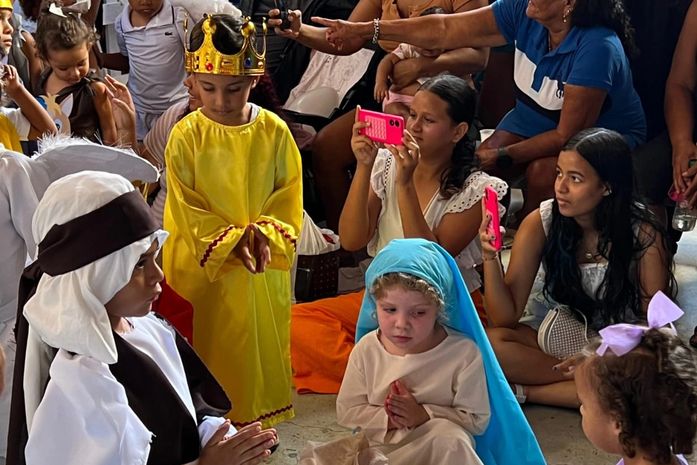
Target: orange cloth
{"type": "Point", "coordinates": [322, 335]}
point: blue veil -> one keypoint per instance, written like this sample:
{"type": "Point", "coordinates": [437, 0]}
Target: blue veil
{"type": "Point", "coordinates": [508, 439]}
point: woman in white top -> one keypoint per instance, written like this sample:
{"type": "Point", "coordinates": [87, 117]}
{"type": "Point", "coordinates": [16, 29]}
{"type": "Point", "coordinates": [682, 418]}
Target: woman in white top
{"type": "Point", "coordinates": [430, 188]}
{"type": "Point", "coordinates": [600, 254]}
{"type": "Point", "coordinates": [426, 188]}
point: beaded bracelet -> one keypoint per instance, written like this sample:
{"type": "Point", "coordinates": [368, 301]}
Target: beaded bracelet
{"type": "Point", "coordinates": [376, 30]}
{"type": "Point", "coordinates": [495, 257]}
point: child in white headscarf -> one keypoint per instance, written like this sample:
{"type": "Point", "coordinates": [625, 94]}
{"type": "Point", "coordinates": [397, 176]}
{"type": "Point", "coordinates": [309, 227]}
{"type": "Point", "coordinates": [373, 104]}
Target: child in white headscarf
{"type": "Point", "coordinates": [124, 387]}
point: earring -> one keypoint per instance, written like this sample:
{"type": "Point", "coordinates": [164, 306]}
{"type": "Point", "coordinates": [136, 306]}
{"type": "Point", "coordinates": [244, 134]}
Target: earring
{"type": "Point", "coordinates": [374, 316]}
{"type": "Point", "coordinates": [565, 16]}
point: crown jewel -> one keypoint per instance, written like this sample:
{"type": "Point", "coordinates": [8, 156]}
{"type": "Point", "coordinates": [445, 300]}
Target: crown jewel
{"type": "Point", "coordinates": [247, 62]}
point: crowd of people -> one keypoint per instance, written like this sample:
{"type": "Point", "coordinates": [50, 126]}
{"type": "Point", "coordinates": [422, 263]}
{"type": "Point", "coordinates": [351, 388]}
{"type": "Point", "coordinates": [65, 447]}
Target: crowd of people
{"type": "Point", "coordinates": [148, 240]}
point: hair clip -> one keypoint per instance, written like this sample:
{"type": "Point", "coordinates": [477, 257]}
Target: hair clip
{"type": "Point", "coordinates": [56, 10]}
{"type": "Point", "coordinates": [622, 338]}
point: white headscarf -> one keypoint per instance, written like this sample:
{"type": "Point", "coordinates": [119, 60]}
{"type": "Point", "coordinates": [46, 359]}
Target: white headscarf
{"type": "Point", "coordinates": [67, 311]}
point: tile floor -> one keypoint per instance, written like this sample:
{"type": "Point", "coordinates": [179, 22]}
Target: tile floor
{"type": "Point", "coordinates": [558, 430]}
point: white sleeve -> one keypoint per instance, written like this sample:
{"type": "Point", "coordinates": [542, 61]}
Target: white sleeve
{"type": "Point", "coordinates": [18, 120]}
{"type": "Point", "coordinates": [84, 417]}
{"type": "Point", "coordinates": [379, 174]}
{"type": "Point", "coordinates": [209, 426]}
{"type": "Point", "coordinates": [118, 27]}
{"type": "Point", "coordinates": [22, 198]}
{"type": "Point", "coordinates": [474, 191]}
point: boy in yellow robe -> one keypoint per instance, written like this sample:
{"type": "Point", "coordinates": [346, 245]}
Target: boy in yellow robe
{"type": "Point", "coordinates": [234, 210]}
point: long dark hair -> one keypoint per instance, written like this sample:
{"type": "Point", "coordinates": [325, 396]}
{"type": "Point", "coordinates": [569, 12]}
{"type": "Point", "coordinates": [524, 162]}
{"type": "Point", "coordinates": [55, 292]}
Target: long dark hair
{"type": "Point", "coordinates": [626, 230]}
{"type": "Point", "coordinates": [461, 103]}
{"type": "Point", "coordinates": [607, 13]}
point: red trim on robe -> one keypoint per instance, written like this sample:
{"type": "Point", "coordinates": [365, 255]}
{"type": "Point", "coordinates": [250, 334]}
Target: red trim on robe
{"type": "Point", "coordinates": [212, 246]}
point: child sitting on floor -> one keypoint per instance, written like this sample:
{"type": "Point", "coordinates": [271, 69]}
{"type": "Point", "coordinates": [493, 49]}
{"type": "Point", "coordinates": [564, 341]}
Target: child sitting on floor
{"type": "Point", "coordinates": [422, 381]}
{"type": "Point", "coordinates": [397, 100]}
{"type": "Point", "coordinates": [638, 390]}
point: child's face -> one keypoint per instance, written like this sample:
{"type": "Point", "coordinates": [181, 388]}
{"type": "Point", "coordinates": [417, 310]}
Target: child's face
{"type": "Point", "coordinates": [407, 321]}
{"type": "Point", "coordinates": [599, 427]}
{"type": "Point", "coordinates": [146, 8]}
{"type": "Point", "coordinates": [136, 297]}
{"type": "Point", "coordinates": [6, 31]}
{"type": "Point", "coordinates": [224, 97]}
{"type": "Point", "coordinates": [194, 97]}
{"type": "Point", "coordinates": [70, 65]}
{"type": "Point", "coordinates": [431, 125]}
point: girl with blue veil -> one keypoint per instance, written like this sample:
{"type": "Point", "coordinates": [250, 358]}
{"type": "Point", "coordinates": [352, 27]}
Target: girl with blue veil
{"type": "Point", "coordinates": [439, 398]}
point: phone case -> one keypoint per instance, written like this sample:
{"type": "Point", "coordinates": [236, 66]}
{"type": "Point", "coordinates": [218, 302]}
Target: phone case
{"type": "Point", "coordinates": [491, 204]}
{"type": "Point", "coordinates": [384, 128]}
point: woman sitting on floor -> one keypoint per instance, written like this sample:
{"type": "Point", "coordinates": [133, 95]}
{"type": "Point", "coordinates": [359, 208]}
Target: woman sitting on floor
{"type": "Point", "coordinates": [603, 257]}
{"type": "Point", "coordinates": [428, 188]}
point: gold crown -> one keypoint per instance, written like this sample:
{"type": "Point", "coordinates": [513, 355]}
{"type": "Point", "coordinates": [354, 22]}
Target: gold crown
{"type": "Point", "coordinates": [247, 62]}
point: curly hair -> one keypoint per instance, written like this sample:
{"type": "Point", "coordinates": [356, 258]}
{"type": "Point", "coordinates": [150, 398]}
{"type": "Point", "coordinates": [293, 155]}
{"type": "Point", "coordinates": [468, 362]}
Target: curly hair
{"type": "Point", "coordinates": [651, 392]}
{"type": "Point", "coordinates": [54, 32]}
{"type": "Point", "coordinates": [409, 282]}
{"type": "Point", "coordinates": [606, 13]}
{"type": "Point", "coordinates": [461, 101]}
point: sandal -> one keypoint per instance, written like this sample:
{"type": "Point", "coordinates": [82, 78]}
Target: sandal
{"type": "Point", "coordinates": [693, 338]}
{"type": "Point", "coordinates": [519, 393]}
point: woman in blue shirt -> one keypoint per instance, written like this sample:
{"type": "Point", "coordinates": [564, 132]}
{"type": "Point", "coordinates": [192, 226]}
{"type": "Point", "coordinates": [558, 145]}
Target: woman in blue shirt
{"type": "Point", "coordinates": [571, 72]}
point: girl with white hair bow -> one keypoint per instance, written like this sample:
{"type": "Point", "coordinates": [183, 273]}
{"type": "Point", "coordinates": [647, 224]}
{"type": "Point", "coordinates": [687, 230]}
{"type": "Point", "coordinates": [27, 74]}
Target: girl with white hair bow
{"type": "Point", "coordinates": [124, 386]}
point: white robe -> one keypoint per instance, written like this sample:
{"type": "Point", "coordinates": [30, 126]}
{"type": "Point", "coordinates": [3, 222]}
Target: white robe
{"type": "Point", "coordinates": [449, 382]}
{"type": "Point", "coordinates": [84, 415]}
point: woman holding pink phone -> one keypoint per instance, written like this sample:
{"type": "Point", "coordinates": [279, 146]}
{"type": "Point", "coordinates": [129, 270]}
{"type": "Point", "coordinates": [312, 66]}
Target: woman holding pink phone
{"type": "Point", "coordinates": [590, 257]}
{"type": "Point", "coordinates": [428, 187]}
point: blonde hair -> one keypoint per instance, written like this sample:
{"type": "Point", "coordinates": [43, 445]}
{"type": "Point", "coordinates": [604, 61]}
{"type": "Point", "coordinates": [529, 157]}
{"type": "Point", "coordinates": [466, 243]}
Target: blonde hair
{"type": "Point", "coordinates": [409, 282]}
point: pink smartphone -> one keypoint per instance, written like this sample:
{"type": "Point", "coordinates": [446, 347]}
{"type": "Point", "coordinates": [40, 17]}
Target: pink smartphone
{"type": "Point", "coordinates": [491, 204]}
{"type": "Point", "coordinates": [384, 128]}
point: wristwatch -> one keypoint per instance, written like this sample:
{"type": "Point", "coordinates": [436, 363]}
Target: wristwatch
{"type": "Point", "coordinates": [503, 159]}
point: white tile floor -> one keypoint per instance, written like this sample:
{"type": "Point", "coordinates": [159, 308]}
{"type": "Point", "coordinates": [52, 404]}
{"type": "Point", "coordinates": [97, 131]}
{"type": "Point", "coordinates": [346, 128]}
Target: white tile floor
{"type": "Point", "coordinates": [558, 430]}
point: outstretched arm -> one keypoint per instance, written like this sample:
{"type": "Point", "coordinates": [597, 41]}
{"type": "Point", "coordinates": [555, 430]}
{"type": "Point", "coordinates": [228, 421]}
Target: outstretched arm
{"type": "Point", "coordinates": [475, 28]}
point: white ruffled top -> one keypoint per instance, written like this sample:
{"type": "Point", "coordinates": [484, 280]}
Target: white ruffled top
{"type": "Point", "coordinates": [389, 226]}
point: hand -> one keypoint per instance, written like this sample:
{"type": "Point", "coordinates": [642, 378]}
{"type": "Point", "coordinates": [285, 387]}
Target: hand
{"type": "Point", "coordinates": [403, 407]}
{"type": "Point", "coordinates": [339, 32]}
{"type": "Point", "coordinates": [249, 446]}
{"type": "Point", "coordinates": [295, 18]}
{"type": "Point", "coordinates": [683, 152]}
{"type": "Point", "coordinates": [407, 157]}
{"type": "Point", "coordinates": [364, 149]}
{"type": "Point", "coordinates": [122, 108]}
{"type": "Point", "coordinates": [253, 249]}
{"type": "Point", "coordinates": [11, 81]}
{"type": "Point", "coordinates": [489, 252]}
{"type": "Point", "coordinates": [487, 158]}
{"type": "Point", "coordinates": [380, 92]}
{"type": "Point", "coordinates": [569, 365]}
{"type": "Point", "coordinates": [407, 72]}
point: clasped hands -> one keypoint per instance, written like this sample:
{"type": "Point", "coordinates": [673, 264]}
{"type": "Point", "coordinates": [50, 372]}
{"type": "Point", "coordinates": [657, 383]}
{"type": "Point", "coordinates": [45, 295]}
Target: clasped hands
{"type": "Point", "coordinates": [253, 249]}
{"type": "Point", "coordinates": [403, 411]}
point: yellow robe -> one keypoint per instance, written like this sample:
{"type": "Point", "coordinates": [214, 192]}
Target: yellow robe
{"type": "Point", "coordinates": [221, 179]}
